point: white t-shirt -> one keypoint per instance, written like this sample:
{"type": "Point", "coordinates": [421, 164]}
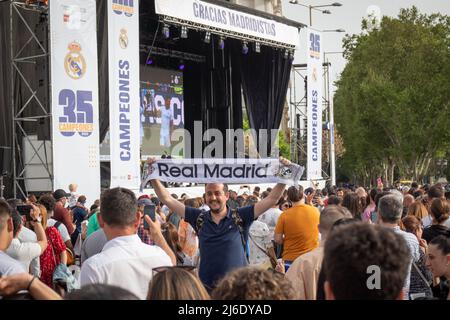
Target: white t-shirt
{"type": "Point", "coordinates": [24, 252]}
{"type": "Point", "coordinates": [62, 229]}
{"type": "Point", "coordinates": [9, 266]}
{"type": "Point", "coordinates": [27, 235]}
{"type": "Point", "coordinates": [427, 221]}
{"type": "Point", "coordinates": [72, 200]}
{"type": "Point", "coordinates": [270, 217]}
{"type": "Point", "coordinates": [125, 262]}
{"type": "Point", "coordinates": [260, 234]}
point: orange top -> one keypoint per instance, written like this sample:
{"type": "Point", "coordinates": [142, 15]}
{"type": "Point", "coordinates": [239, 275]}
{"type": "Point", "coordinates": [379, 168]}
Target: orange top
{"type": "Point", "coordinates": [299, 225]}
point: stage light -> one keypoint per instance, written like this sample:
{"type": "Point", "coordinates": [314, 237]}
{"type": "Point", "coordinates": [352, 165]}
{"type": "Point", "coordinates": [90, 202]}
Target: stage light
{"type": "Point", "coordinates": [286, 53]}
{"type": "Point", "coordinates": [221, 43]}
{"type": "Point", "coordinates": [245, 47]}
{"type": "Point", "coordinates": [166, 31]}
{"type": "Point", "coordinates": [257, 47]}
{"type": "Point", "coordinates": [149, 61]}
{"type": "Point", "coordinates": [184, 32]}
{"type": "Point", "coordinates": [181, 66]}
{"type": "Point", "coordinates": [207, 37]}
{"type": "Point", "coordinates": [291, 54]}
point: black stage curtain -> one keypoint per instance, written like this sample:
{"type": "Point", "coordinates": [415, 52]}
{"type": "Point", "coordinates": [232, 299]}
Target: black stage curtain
{"type": "Point", "coordinates": [265, 78]}
{"type": "Point", "coordinates": [103, 84]}
{"type": "Point", "coordinates": [5, 92]}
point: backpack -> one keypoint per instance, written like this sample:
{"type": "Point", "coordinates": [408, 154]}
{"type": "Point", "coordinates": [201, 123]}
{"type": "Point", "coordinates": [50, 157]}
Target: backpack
{"type": "Point", "coordinates": [237, 221]}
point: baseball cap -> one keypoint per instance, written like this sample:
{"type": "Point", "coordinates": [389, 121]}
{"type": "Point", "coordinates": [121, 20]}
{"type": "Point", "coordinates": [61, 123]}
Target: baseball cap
{"type": "Point", "coordinates": [60, 193]}
{"type": "Point", "coordinates": [144, 202]}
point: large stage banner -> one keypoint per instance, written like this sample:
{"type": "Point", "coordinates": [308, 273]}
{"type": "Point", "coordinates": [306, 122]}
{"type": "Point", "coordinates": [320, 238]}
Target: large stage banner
{"type": "Point", "coordinates": [208, 14]}
{"type": "Point", "coordinates": [314, 105]}
{"type": "Point", "coordinates": [224, 170]}
{"type": "Point", "coordinates": [124, 98]}
{"type": "Point", "coordinates": [74, 87]}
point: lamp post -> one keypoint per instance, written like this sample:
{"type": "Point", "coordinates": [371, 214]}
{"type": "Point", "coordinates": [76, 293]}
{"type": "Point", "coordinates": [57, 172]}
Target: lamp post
{"type": "Point", "coordinates": [311, 8]}
{"type": "Point", "coordinates": [331, 119]}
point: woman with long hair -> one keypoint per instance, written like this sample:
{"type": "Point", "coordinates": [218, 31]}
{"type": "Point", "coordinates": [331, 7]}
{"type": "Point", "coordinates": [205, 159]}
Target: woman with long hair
{"type": "Point", "coordinates": [54, 254]}
{"type": "Point", "coordinates": [170, 233]}
{"type": "Point", "coordinates": [421, 276]}
{"type": "Point", "coordinates": [353, 204]}
{"type": "Point", "coordinates": [175, 283]}
{"type": "Point", "coordinates": [418, 210]}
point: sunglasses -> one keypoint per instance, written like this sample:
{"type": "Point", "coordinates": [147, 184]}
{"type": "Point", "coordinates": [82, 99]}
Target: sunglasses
{"type": "Point", "coordinates": [165, 268]}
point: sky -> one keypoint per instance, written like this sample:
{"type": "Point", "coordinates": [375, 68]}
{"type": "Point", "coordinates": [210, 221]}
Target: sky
{"type": "Point", "coordinates": [348, 17]}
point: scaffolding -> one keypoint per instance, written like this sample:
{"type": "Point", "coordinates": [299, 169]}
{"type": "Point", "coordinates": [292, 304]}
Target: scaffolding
{"type": "Point", "coordinates": [35, 108]}
{"type": "Point", "coordinates": [298, 119]}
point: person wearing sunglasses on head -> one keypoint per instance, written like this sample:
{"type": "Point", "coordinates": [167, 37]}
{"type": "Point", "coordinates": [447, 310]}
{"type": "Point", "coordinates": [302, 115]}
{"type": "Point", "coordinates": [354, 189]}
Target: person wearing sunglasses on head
{"type": "Point", "coordinates": [176, 283]}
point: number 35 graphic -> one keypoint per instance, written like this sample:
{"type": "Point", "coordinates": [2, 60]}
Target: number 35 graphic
{"type": "Point", "coordinates": [77, 109]}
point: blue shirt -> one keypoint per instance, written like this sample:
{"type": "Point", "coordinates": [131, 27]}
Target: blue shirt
{"type": "Point", "coordinates": [221, 248]}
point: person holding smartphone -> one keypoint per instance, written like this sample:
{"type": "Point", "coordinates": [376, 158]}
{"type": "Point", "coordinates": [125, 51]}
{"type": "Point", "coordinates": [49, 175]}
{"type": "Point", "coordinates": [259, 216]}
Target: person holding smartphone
{"type": "Point", "coordinates": [8, 265]}
{"type": "Point", "coordinates": [25, 252]}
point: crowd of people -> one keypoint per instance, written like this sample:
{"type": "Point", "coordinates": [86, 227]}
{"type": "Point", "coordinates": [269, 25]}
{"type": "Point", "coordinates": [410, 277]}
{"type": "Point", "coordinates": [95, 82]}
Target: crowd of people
{"type": "Point", "coordinates": [294, 243]}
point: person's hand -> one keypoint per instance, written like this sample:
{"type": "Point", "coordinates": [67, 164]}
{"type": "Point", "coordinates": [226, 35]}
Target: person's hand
{"type": "Point", "coordinates": [155, 227]}
{"type": "Point", "coordinates": [280, 267]}
{"type": "Point", "coordinates": [35, 213]}
{"type": "Point", "coordinates": [151, 160]}
{"type": "Point", "coordinates": [309, 198]}
{"type": "Point", "coordinates": [12, 284]}
{"type": "Point", "coordinates": [320, 202]}
{"type": "Point", "coordinates": [285, 161]}
{"type": "Point", "coordinates": [423, 243]}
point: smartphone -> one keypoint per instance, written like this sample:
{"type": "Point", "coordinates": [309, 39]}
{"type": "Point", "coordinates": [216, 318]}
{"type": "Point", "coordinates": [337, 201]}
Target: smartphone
{"type": "Point", "coordinates": [24, 210]}
{"type": "Point", "coordinates": [149, 210]}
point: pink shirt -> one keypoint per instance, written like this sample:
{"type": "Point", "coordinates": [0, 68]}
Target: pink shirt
{"type": "Point", "coordinates": [366, 214]}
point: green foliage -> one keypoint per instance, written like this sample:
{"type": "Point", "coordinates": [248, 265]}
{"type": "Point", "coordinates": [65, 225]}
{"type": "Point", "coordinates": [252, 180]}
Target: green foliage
{"type": "Point", "coordinates": [392, 105]}
{"type": "Point", "coordinates": [283, 145]}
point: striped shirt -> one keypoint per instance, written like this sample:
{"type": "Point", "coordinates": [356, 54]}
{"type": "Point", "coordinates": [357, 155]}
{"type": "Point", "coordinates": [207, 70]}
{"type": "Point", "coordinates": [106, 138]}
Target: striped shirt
{"type": "Point", "coordinates": [413, 245]}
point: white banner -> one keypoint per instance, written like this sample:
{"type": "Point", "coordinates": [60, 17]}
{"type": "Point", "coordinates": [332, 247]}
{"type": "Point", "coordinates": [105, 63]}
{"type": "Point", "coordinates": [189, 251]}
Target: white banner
{"type": "Point", "coordinates": [124, 117]}
{"type": "Point", "coordinates": [74, 86]}
{"type": "Point", "coordinates": [314, 105]}
{"type": "Point", "coordinates": [223, 171]}
{"type": "Point", "coordinates": [223, 18]}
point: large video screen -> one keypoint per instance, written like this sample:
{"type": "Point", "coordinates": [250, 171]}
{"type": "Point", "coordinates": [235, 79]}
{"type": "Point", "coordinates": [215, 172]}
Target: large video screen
{"type": "Point", "coordinates": [162, 109]}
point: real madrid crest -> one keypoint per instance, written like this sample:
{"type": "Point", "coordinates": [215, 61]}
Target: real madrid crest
{"type": "Point", "coordinates": [74, 62]}
{"type": "Point", "coordinates": [123, 38]}
{"type": "Point", "coordinates": [284, 172]}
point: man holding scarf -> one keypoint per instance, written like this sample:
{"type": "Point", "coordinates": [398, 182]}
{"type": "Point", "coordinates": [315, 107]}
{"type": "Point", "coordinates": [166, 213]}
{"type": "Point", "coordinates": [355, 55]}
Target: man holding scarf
{"type": "Point", "coordinates": [222, 234]}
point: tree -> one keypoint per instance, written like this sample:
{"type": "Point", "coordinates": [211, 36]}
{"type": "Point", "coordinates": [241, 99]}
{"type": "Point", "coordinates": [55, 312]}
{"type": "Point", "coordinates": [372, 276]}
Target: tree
{"type": "Point", "coordinates": [392, 102]}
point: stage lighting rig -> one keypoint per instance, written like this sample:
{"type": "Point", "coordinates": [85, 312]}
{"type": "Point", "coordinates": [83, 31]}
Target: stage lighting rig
{"type": "Point", "coordinates": [221, 43]}
{"type": "Point", "coordinates": [207, 37]}
{"type": "Point", "coordinates": [166, 31]}
{"type": "Point", "coordinates": [245, 47]}
{"type": "Point", "coordinates": [257, 47]}
{"type": "Point", "coordinates": [184, 32]}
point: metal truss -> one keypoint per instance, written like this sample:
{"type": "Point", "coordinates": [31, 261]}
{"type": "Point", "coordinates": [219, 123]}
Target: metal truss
{"type": "Point", "coordinates": [298, 118]}
{"type": "Point", "coordinates": [226, 33]}
{"type": "Point", "coordinates": [172, 53]}
{"type": "Point", "coordinates": [20, 56]}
